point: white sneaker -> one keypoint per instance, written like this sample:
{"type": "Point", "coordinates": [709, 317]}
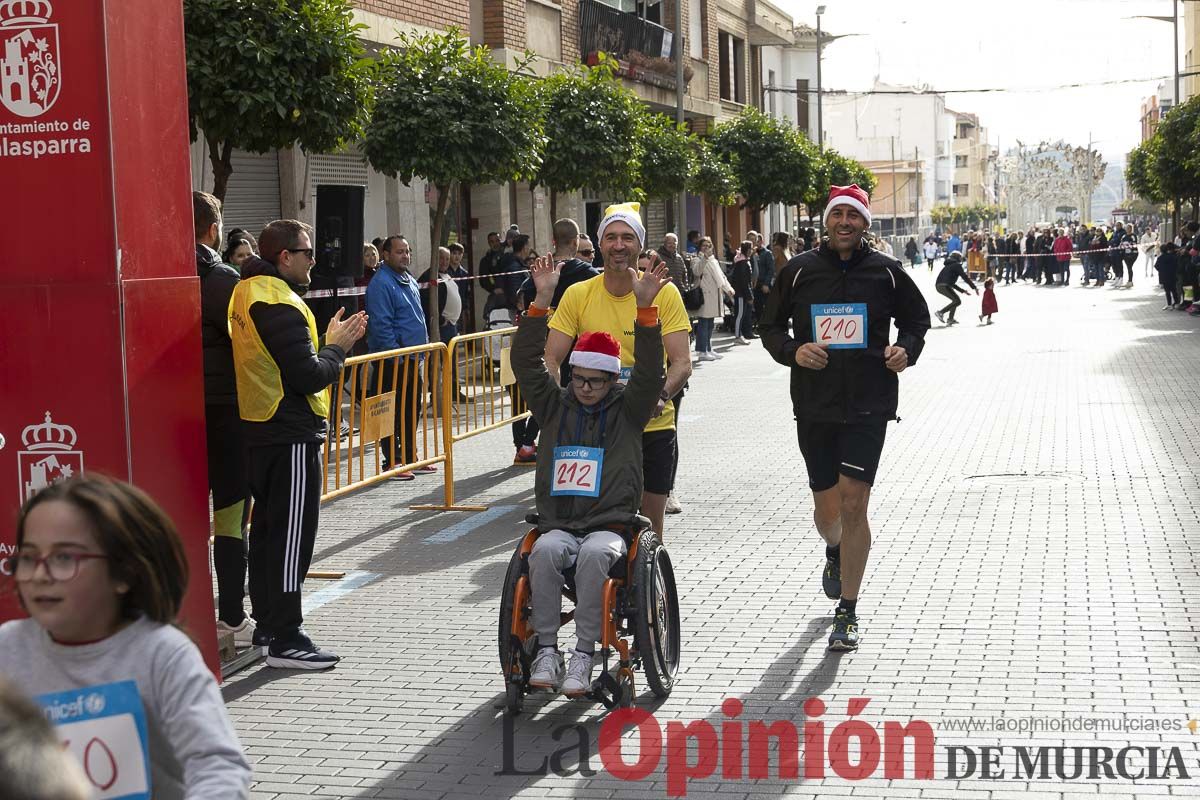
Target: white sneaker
{"type": "Point", "coordinates": [673, 506]}
{"type": "Point", "coordinates": [243, 635]}
{"type": "Point", "coordinates": [740, 340]}
{"type": "Point", "coordinates": [705, 357]}
{"type": "Point", "coordinates": [579, 675]}
{"type": "Point", "coordinates": [547, 670]}
{"type": "Point", "coordinates": [714, 355]}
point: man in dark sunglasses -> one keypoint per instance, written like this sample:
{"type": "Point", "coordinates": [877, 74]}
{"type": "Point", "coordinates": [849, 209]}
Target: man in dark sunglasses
{"type": "Point", "coordinates": [283, 377]}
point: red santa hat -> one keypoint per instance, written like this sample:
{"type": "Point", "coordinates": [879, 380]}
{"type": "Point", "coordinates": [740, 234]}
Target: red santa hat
{"type": "Point", "coordinates": [852, 196]}
{"type": "Point", "coordinates": [597, 350]}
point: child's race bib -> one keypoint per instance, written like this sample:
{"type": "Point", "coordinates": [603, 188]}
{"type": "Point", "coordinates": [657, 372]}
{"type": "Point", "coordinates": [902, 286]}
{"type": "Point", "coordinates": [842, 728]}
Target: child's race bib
{"type": "Point", "coordinates": [104, 728]}
{"type": "Point", "coordinates": [577, 471]}
{"type": "Point", "coordinates": [840, 326]}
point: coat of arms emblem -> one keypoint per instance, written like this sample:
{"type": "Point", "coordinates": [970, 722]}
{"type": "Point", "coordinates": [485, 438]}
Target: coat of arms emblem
{"type": "Point", "coordinates": [49, 456]}
{"type": "Point", "coordinates": [30, 72]}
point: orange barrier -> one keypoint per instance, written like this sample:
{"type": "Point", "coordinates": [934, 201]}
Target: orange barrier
{"type": "Point", "coordinates": [381, 387]}
{"type": "Point", "coordinates": [488, 399]}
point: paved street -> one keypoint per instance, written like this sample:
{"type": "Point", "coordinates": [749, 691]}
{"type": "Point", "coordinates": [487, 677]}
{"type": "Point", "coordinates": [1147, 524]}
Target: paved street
{"type": "Point", "coordinates": [1035, 556]}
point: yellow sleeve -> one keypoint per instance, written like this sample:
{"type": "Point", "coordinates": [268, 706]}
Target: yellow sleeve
{"type": "Point", "coordinates": [566, 316]}
{"type": "Point", "coordinates": [671, 312]}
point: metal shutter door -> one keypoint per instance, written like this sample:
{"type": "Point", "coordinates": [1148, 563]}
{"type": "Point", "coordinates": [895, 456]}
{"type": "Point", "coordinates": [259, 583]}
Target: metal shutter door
{"type": "Point", "coordinates": [252, 197]}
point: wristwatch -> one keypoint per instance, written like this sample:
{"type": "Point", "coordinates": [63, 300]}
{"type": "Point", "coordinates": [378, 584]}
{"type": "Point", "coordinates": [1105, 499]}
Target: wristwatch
{"type": "Point", "coordinates": [663, 395]}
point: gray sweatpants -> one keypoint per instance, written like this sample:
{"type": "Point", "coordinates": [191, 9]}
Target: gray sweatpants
{"type": "Point", "coordinates": [593, 556]}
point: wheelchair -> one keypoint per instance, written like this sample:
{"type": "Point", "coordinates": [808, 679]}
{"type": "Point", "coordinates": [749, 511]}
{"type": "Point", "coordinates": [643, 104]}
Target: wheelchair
{"type": "Point", "coordinates": [640, 601]}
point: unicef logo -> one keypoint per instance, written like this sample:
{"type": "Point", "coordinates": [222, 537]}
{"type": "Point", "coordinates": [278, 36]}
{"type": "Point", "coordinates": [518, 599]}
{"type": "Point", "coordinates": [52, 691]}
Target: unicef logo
{"type": "Point", "coordinates": [94, 703]}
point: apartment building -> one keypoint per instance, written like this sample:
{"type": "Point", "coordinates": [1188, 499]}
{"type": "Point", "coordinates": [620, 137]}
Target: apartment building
{"type": "Point", "coordinates": [974, 162]}
{"type": "Point", "coordinates": [906, 137]}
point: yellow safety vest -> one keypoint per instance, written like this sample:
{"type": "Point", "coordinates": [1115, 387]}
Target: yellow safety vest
{"type": "Point", "coordinates": [259, 384]}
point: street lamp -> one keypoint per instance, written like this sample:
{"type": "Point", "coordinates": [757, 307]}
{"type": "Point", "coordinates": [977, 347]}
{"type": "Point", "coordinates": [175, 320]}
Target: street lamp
{"type": "Point", "coordinates": [820, 126]}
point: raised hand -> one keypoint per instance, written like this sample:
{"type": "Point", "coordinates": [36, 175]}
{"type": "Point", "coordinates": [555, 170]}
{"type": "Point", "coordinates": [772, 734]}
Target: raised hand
{"type": "Point", "coordinates": [647, 286]}
{"type": "Point", "coordinates": [344, 333]}
{"type": "Point", "coordinates": [545, 274]}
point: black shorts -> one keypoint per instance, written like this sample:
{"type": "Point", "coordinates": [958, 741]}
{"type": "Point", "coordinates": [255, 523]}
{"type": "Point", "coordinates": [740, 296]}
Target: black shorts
{"type": "Point", "coordinates": [658, 461]}
{"type": "Point", "coordinates": [831, 449]}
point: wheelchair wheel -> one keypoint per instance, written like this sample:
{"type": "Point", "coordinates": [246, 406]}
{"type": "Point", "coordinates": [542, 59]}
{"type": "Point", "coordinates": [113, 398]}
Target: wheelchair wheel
{"type": "Point", "coordinates": [514, 647]}
{"type": "Point", "coordinates": [656, 620]}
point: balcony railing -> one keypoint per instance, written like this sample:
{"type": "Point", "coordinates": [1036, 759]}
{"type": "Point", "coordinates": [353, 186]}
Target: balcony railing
{"type": "Point", "coordinates": [647, 51]}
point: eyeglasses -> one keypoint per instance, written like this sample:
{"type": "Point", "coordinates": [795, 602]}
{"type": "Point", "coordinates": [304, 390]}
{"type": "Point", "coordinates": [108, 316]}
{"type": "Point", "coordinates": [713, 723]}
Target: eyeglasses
{"type": "Point", "coordinates": [589, 383]}
{"type": "Point", "coordinates": [308, 251]}
{"type": "Point", "coordinates": [62, 565]}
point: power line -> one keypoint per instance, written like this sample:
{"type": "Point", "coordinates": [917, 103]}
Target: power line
{"type": "Point", "coordinates": [917, 92]}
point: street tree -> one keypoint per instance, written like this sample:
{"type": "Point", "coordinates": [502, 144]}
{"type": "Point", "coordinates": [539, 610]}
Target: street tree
{"type": "Point", "coordinates": [666, 157]}
{"type": "Point", "coordinates": [453, 116]}
{"type": "Point", "coordinates": [266, 75]}
{"type": "Point", "coordinates": [713, 175]}
{"type": "Point", "coordinates": [834, 169]}
{"type": "Point", "coordinates": [1176, 163]}
{"type": "Point", "coordinates": [771, 162]}
{"type": "Point", "coordinates": [589, 125]}
{"type": "Point", "coordinates": [1140, 172]}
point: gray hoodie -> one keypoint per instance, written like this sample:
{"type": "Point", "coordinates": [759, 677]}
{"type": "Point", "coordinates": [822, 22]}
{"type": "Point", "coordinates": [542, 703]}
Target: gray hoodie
{"type": "Point", "coordinates": [615, 424]}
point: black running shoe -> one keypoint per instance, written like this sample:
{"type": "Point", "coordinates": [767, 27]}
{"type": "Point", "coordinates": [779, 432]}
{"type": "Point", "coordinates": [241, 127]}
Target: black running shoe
{"type": "Point", "coordinates": [299, 653]}
{"type": "Point", "coordinates": [831, 578]}
{"type": "Point", "coordinates": [844, 637]}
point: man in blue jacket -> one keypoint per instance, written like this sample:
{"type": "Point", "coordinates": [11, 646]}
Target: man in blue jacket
{"type": "Point", "coordinates": [397, 320]}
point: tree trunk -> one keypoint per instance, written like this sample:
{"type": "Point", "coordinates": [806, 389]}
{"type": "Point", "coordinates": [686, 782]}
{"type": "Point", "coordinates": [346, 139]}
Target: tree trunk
{"type": "Point", "coordinates": [554, 205]}
{"type": "Point", "coordinates": [439, 221]}
{"type": "Point", "coordinates": [220, 155]}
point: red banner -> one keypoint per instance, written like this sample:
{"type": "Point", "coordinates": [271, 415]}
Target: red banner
{"type": "Point", "coordinates": [99, 300]}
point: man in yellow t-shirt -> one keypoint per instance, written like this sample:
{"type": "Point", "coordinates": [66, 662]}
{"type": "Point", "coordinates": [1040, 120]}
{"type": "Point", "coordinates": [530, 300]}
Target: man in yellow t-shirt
{"type": "Point", "coordinates": [606, 303]}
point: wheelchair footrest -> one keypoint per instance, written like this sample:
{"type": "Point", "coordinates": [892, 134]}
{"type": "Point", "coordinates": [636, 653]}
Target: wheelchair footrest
{"type": "Point", "coordinates": [606, 690]}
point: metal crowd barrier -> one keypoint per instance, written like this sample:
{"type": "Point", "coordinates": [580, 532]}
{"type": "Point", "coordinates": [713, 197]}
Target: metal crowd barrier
{"type": "Point", "coordinates": [377, 388]}
{"type": "Point", "coordinates": [471, 390]}
{"type": "Point", "coordinates": [479, 394]}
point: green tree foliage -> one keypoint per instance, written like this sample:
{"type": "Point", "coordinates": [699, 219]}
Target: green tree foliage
{"type": "Point", "coordinates": [450, 114]}
{"type": "Point", "coordinates": [666, 156]}
{"type": "Point", "coordinates": [771, 162]}
{"type": "Point", "coordinates": [713, 175]}
{"type": "Point", "coordinates": [1176, 161]}
{"type": "Point", "coordinates": [835, 169]}
{"type": "Point", "coordinates": [1140, 171]}
{"type": "Point", "coordinates": [590, 122]}
{"type": "Point", "coordinates": [270, 74]}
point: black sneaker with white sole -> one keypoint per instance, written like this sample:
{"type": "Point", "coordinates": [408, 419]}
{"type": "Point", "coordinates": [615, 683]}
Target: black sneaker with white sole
{"type": "Point", "coordinates": [844, 637]}
{"type": "Point", "coordinates": [299, 653]}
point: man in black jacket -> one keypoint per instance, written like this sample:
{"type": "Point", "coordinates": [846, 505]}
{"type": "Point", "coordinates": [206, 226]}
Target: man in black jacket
{"type": "Point", "coordinates": [947, 285]}
{"type": "Point", "coordinates": [828, 318]}
{"type": "Point", "coordinates": [227, 478]}
{"type": "Point", "coordinates": [283, 380]}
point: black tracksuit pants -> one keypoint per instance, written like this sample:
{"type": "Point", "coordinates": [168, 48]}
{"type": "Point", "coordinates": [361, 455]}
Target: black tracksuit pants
{"type": "Point", "coordinates": [285, 480]}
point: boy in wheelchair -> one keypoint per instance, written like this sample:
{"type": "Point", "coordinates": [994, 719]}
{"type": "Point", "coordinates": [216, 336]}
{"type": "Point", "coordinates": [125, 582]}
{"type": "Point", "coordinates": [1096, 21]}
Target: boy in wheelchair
{"type": "Point", "coordinates": [589, 466]}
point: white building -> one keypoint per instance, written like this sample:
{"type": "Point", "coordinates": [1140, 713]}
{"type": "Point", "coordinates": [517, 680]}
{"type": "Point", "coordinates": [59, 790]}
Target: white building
{"type": "Point", "coordinates": [900, 128]}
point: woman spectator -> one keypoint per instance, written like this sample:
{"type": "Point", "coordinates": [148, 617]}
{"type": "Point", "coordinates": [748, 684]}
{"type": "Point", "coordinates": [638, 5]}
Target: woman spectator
{"type": "Point", "coordinates": [715, 286]}
{"type": "Point", "coordinates": [912, 252]}
{"type": "Point", "coordinates": [239, 246]}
